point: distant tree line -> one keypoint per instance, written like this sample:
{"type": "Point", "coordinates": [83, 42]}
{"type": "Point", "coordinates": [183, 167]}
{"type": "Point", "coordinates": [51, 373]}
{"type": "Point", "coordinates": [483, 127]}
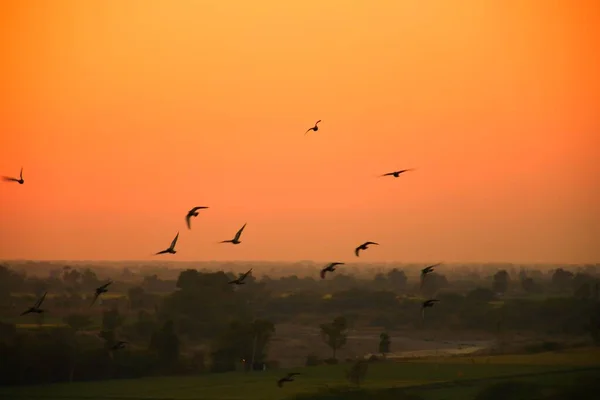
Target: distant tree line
{"type": "Point", "coordinates": [198, 323]}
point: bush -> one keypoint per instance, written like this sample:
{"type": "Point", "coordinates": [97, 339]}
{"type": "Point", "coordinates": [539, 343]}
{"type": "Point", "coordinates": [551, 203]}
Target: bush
{"type": "Point", "coordinates": [312, 360]}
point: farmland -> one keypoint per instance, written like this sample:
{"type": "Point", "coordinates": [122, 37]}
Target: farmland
{"type": "Point", "coordinates": [432, 379]}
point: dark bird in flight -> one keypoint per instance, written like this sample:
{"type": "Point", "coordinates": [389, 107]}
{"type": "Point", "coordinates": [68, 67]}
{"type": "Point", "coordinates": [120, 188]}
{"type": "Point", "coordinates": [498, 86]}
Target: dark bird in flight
{"type": "Point", "coordinates": [288, 378]}
{"type": "Point", "coordinates": [20, 180]}
{"type": "Point", "coordinates": [364, 246]}
{"type": "Point", "coordinates": [314, 128]}
{"type": "Point", "coordinates": [192, 213]}
{"type": "Point", "coordinates": [99, 291]}
{"type": "Point", "coordinates": [427, 270]}
{"type": "Point", "coordinates": [171, 249]}
{"type": "Point", "coordinates": [330, 268]}
{"type": "Point", "coordinates": [426, 304]}
{"type": "Point", "coordinates": [36, 307]}
{"type": "Point", "coordinates": [240, 280]}
{"type": "Point", "coordinates": [118, 345]}
{"type": "Point", "coordinates": [396, 174]}
{"type": "Point", "coordinates": [236, 239]}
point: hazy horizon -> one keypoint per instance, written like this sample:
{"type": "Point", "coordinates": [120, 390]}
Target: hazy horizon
{"type": "Point", "coordinates": [316, 262]}
{"type": "Point", "coordinates": [126, 116]}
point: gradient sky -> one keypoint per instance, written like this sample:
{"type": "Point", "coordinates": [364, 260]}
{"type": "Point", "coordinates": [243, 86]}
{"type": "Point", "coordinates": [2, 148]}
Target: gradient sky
{"type": "Point", "coordinates": [125, 114]}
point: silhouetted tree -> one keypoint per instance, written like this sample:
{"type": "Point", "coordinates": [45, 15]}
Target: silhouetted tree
{"type": "Point", "coordinates": [111, 319]}
{"type": "Point", "coordinates": [384, 343]}
{"type": "Point", "coordinates": [357, 372]}
{"type": "Point", "coordinates": [562, 279]}
{"type": "Point", "coordinates": [501, 281]}
{"type": "Point", "coordinates": [397, 279]}
{"type": "Point", "coordinates": [433, 283]}
{"type": "Point", "coordinates": [136, 296]}
{"type": "Point", "coordinates": [528, 285]}
{"type": "Point", "coordinates": [165, 344]}
{"type": "Point", "coordinates": [334, 334]}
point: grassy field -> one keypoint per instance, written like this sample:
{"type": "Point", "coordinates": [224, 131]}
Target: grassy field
{"type": "Point", "coordinates": [450, 378]}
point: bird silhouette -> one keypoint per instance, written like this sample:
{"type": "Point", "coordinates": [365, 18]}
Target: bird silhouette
{"type": "Point", "coordinates": [314, 128]}
{"type": "Point", "coordinates": [36, 307]}
{"type": "Point", "coordinates": [396, 174]}
{"type": "Point", "coordinates": [20, 181]}
{"type": "Point", "coordinates": [427, 304]}
{"type": "Point", "coordinates": [364, 246]}
{"type": "Point", "coordinates": [192, 213]}
{"type": "Point", "coordinates": [99, 291]}
{"type": "Point", "coordinates": [288, 378]}
{"type": "Point", "coordinates": [330, 268]}
{"type": "Point", "coordinates": [240, 279]}
{"type": "Point", "coordinates": [236, 239]}
{"type": "Point", "coordinates": [427, 270]}
{"type": "Point", "coordinates": [171, 249]}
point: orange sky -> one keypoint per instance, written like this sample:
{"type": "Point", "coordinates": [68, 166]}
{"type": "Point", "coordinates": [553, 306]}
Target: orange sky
{"type": "Point", "coordinates": [125, 114]}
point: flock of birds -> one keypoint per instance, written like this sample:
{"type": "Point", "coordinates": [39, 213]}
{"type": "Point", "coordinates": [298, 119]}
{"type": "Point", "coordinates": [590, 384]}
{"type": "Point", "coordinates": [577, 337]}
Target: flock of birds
{"type": "Point", "coordinates": [194, 212]}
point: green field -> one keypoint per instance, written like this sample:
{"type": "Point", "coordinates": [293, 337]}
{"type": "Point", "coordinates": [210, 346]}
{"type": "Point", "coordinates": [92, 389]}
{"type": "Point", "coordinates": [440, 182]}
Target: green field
{"type": "Point", "coordinates": [450, 378]}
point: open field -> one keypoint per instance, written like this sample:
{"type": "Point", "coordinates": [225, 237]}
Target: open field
{"type": "Point", "coordinates": [433, 379]}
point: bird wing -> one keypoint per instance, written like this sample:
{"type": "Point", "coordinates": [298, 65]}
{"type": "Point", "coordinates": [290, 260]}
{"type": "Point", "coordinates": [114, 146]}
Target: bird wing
{"type": "Point", "coordinates": [317, 122]}
{"type": "Point", "coordinates": [9, 179]}
{"type": "Point", "coordinates": [162, 252]}
{"type": "Point", "coordinates": [40, 301]}
{"type": "Point", "coordinates": [433, 266]}
{"type": "Point", "coordinates": [388, 174]}
{"type": "Point", "coordinates": [337, 263]}
{"type": "Point", "coordinates": [21, 174]}
{"type": "Point", "coordinates": [95, 298]}
{"type": "Point", "coordinates": [239, 233]}
{"type": "Point", "coordinates": [105, 285]}
{"type": "Point", "coordinates": [172, 246]}
{"type": "Point", "coordinates": [368, 243]}
{"type": "Point", "coordinates": [356, 250]}
{"type": "Point", "coordinates": [308, 130]}
{"type": "Point", "coordinates": [187, 221]}
{"type": "Point", "coordinates": [323, 271]}
{"type": "Point", "coordinates": [25, 312]}
{"type": "Point", "coordinates": [197, 208]}
{"type": "Point", "coordinates": [246, 274]}
{"type": "Point", "coordinates": [292, 374]}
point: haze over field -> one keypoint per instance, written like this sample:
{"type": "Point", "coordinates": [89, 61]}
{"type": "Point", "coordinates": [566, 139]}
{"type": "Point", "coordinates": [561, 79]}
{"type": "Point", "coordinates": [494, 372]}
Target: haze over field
{"type": "Point", "coordinates": [126, 114]}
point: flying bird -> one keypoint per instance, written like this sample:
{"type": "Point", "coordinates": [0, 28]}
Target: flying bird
{"type": "Point", "coordinates": [20, 181]}
{"type": "Point", "coordinates": [426, 304]}
{"type": "Point", "coordinates": [330, 268]}
{"type": "Point", "coordinates": [99, 291]}
{"type": "Point", "coordinates": [236, 239]}
{"type": "Point", "coordinates": [171, 249]}
{"type": "Point", "coordinates": [240, 280]}
{"type": "Point", "coordinates": [288, 378]}
{"type": "Point", "coordinates": [427, 270]}
{"type": "Point", "coordinates": [364, 246]}
{"type": "Point", "coordinates": [396, 174]}
{"type": "Point", "coordinates": [36, 307]}
{"type": "Point", "coordinates": [192, 213]}
{"type": "Point", "coordinates": [314, 128]}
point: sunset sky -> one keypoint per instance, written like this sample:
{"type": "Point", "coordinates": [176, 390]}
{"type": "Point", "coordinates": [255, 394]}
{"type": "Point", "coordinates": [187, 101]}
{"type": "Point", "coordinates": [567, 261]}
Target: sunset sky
{"type": "Point", "coordinates": [125, 114]}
